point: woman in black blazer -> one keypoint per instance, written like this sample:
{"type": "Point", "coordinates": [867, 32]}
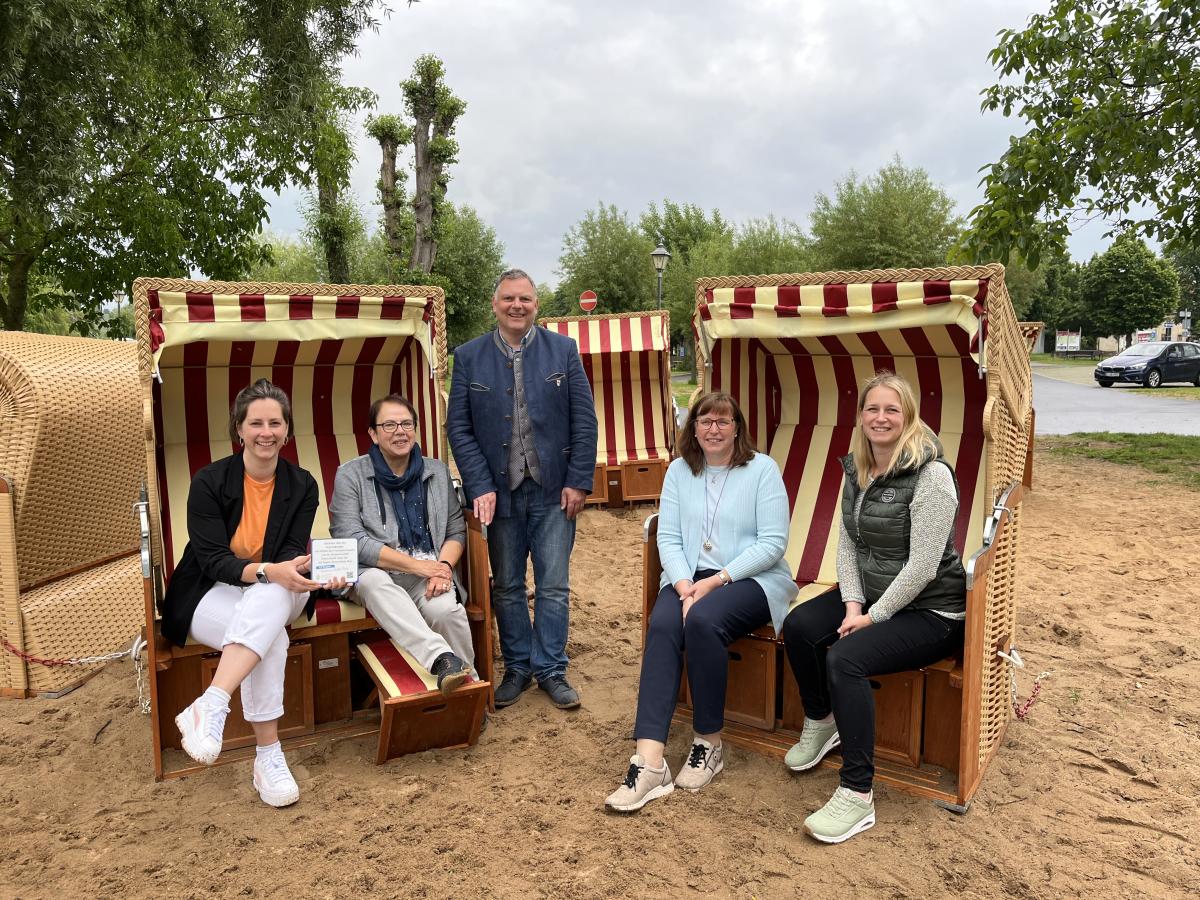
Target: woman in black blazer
{"type": "Point", "coordinates": [242, 579]}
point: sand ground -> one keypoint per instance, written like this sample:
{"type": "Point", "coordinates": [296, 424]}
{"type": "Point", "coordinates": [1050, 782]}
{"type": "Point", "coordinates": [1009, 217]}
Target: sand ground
{"type": "Point", "coordinates": [1095, 794]}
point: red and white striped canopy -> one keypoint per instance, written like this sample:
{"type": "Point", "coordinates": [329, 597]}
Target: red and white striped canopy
{"type": "Point", "coordinates": [795, 356]}
{"type": "Point", "coordinates": [333, 355]}
{"type": "Point", "coordinates": [625, 359]}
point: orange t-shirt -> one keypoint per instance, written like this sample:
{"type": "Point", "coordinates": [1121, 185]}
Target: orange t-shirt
{"type": "Point", "coordinates": [247, 541]}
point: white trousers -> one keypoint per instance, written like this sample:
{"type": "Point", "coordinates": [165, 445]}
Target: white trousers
{"type": "Point", "coordinates": [255, 616]}
{"type": "Point", "coordinates": [426, 628]}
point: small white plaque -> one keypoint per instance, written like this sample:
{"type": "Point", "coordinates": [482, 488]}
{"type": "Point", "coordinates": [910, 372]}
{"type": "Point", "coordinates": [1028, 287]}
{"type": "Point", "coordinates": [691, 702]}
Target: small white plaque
{"type": "Point", "coordinates": [333, 558]}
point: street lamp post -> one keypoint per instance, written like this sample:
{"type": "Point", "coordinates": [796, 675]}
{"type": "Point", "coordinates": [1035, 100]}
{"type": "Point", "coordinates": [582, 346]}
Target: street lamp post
{"type": "Point", "coordinates": [660, 257]}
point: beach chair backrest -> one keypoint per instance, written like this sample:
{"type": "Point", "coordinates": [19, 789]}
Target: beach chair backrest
{"type": "Point", "coordinates": [332, 348]}
{"type": "Point", "coordinates": [627, 363]}
{"type": "Point", "coordinates": [795, 350]}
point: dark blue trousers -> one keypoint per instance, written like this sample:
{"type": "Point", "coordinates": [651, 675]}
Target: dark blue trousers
{"type": "Point", "coordinates": [716, 621]}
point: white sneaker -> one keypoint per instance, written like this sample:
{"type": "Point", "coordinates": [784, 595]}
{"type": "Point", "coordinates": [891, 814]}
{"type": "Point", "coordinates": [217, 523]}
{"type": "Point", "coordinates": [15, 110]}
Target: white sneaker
{"type": "Point", "coordinates": [202, 727]}
{"type": "Point", "coordinates": [273, 780]}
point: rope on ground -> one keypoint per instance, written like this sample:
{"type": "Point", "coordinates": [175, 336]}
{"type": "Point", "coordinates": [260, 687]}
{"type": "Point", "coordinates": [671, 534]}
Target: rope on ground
{"type": "Point", "coordinates": [1021, 710]}
{"type": "Point", "coordinates": [134, 653]}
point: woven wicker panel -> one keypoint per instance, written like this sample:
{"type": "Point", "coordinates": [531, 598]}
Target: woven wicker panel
{"type": "Point", "coordinates": [87, 614]}
{"type": "Point", "coordinates": [999, 621]}
{"type": "Point", "coordinates": [71, 441]}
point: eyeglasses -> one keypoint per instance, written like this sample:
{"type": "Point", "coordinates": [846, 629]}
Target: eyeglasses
{"type": "Point", "coordinates": [706, 424]}
{"type": "Point", "coordinates": [390, 427]}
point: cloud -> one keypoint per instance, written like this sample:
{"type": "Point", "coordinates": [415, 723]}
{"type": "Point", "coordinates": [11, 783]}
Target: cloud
{"type": "Point", "coordinates": [749, 107]}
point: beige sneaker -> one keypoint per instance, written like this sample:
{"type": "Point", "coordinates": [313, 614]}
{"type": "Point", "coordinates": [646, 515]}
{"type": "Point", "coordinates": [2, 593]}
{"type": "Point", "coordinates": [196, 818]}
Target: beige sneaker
{"type": "Point", "coordinates": [704, 763]}
{"type": "Point", "coordinates": [641, 785]}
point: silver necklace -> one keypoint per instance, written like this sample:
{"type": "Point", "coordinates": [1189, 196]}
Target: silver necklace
{"type": "Point", "coordinates": [712, 523]}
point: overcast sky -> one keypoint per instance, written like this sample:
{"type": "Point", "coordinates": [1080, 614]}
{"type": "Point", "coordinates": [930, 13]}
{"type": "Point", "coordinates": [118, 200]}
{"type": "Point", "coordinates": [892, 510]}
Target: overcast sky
{"type": "Point", "coordinates": [747, 107]}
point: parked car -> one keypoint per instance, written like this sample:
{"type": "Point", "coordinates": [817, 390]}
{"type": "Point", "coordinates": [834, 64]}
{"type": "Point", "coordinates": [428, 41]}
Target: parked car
{"type": "Point", "coordinates": [1152, 363]}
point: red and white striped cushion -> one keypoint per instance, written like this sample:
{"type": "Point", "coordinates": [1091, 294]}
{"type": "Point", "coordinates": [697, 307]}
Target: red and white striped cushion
{"type": "Point", "coordinates": [396, 671]}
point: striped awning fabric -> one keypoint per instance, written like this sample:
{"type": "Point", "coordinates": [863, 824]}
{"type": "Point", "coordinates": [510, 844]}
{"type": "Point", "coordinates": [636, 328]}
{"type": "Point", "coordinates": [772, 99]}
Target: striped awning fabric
{"type": "Point", "coordinates": [625, 360]}
{"type": "Point", "coordinates": [615, 334]}
{"type": "Point", "coordinates": [333, 355]}
{"type": "Point", "coordinates": [841, 318]}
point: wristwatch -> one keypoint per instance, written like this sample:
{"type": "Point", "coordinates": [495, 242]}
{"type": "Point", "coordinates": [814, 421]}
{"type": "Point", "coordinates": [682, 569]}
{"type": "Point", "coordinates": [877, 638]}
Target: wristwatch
{"type": "Point", "coordinates": [725, 579]}
{"type": "Point", "coordinates": [260, 574]}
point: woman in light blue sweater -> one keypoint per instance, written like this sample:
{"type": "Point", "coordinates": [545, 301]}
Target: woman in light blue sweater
{"type": "Point", "coordinates": [722, 531]}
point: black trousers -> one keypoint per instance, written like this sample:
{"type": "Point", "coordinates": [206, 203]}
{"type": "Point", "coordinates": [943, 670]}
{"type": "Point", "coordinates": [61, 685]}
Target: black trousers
{"type": "Point", "coordinates": [833, 674]}
{"type": "Point", "coordinates": [716, 621]}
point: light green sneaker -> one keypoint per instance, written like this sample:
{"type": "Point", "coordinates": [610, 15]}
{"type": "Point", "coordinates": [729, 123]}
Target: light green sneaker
{"type": "Point", "coordinates": [816, 739]}
{"type": "Point", "coordinates": [844, 816]}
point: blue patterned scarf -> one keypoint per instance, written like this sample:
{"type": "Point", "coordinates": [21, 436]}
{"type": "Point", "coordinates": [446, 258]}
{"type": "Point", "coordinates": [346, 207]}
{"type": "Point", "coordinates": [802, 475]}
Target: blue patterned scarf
{"type": "Point", "coordinates": [408, 498]}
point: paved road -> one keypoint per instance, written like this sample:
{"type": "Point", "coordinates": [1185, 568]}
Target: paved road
{"type": "Point", "coordinates": [1063, 408]}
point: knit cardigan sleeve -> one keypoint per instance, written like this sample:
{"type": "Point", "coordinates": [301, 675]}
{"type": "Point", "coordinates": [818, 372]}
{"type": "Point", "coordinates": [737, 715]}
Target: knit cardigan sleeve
{"type": "Point", "coordinates": [670, 526]}
{"type": "Point", "coordinates": [769, 506]}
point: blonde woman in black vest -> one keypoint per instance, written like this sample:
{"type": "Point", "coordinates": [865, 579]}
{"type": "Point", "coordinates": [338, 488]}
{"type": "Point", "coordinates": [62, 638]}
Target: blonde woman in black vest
{"type": "Point", "coordinates": [900, 601]}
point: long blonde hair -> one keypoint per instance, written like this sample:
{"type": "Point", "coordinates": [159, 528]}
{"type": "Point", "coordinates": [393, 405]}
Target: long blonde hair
{"type": "Point", "coordinates": [916, 443]}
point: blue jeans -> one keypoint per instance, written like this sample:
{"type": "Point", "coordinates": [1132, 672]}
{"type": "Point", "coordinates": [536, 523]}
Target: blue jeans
{"type": "Point", "coordinates": [543, 531]}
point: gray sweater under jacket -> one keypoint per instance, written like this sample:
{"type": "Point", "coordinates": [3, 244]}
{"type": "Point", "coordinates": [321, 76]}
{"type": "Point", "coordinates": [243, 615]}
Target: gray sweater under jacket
{"type": "Point", "coordinates": [362, 510]}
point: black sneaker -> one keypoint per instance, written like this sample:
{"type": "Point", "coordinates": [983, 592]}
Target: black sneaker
{"type": "Point", "coordinates": [511, 688]}
{"type": "Point", "coordinates": [450, 672]}
{"type": "Point", "coordinates": [561, 693]}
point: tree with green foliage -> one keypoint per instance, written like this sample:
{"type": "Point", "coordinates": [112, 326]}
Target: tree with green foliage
{"type": "Point", "coordinates": [897, 218]}
{"type": "Point", "coordinates": [435, 111]}
{"type": "Point", "coordinates": [1109, 90]}
{"type": "Point", "coordinates": [683, 227]}
{"type": "Point", "coordinates": [1056, 300]}
{"type": "Point", "coordinates": [1186, 260]}
{"type": "Point", "coordinates": [333, 155]}
{"type": "Point", "coordinates": [137, 138]}
{"type": "Point", "coordinates": [1126, 288]}
{"type": "Point", "coordinates": [606, 253]}
{"type": "Point", "coordinates": [470, 257]}
{"type": "Point", "coordinates": [391, 133]}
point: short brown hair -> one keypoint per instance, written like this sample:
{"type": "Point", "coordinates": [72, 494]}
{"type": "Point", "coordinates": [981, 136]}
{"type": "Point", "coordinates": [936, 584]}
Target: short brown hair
{"type": "Point", "coordinates": [260, 390]}
{"type": "Point", "coordinates": [689, 447]}
{"type": "Point", "coordinates": [399, 400]}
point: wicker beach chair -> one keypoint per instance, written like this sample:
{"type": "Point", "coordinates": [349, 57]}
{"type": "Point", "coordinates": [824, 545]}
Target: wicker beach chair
{"type": "Point", "coordinates": [332, 348]}
{"type": "Point", "coordinates": [1031, 332]}
{"type": "Point", "coordinates": [794, 349]}
{"type": "Point", "coordinates": [626, 357]}
{"type": "Point", "coordinates": [71, 465]}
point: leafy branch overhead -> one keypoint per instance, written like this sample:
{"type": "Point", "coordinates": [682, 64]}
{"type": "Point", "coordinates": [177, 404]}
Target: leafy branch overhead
{"type": "Point", "coordinates": [139, 138]}
{"type": "Point", "coordinates": [1110, 90]}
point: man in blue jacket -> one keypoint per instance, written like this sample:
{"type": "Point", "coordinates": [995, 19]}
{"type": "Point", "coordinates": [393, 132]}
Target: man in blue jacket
{"type": "Point", "coordinates": [522, 427]}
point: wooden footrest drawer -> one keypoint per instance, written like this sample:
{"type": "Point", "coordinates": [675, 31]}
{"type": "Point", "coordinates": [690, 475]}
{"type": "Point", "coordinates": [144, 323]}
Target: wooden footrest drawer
{"type": "Point", "coordinates": [414, 715]}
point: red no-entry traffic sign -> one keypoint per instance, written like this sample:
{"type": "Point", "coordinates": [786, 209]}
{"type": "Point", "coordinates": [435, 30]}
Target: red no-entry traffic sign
{"type": "Point", "coordinates": [587, 301]}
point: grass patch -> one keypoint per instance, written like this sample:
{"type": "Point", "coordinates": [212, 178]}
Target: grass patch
{"type": "Point", "coordinates": [1172, 455]}
{"type": "Point", "coordinates": [683, 390]}
{"type": "Point", "coordinates": [1050, 359]}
